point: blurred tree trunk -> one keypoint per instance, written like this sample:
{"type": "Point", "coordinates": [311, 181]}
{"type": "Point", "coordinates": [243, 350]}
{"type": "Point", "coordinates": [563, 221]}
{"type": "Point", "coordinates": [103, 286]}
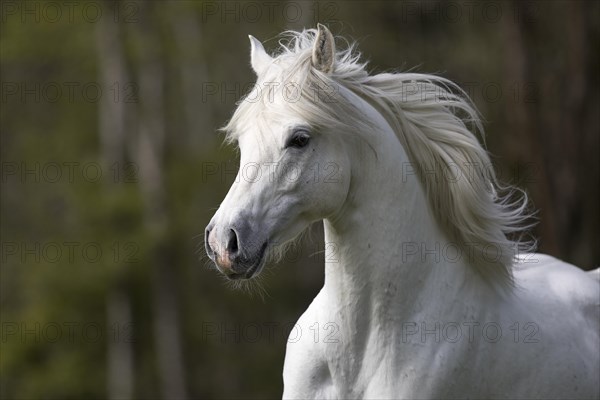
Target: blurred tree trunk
{"type": "Point", "coordinates": [112, 130]}
{"type": "Point", "coordinates": [151, 143]}
{"type": "Point", "coordinates": [577, 141]}
{"type": "Point", "coordinates": [555, 129]}
{"type": "Point", "coordinates": [188, 36]}
{"type": "Point", "coordinates": [525, 142]}
{"type": "Point", "coordinates": [120, 351]}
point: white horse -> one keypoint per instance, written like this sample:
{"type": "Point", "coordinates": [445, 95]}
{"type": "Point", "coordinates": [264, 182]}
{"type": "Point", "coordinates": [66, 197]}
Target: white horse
{"type": "Point", "coordinates": [425, 295]}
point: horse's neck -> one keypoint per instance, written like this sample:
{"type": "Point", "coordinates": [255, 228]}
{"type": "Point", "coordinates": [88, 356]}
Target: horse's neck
{"type": "Point", "coordinates": [384, 252]}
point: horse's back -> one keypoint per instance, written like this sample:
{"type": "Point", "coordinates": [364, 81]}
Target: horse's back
{"type": "Point", "coordinates": [565, 302]}
{"type": "Point", "coordinates": [553, 287]}
{"type": "Point", "coordinates": [556, 282]}
{"type": "Point", "coordinates": [550, 342]}
{"type": "Point", "coordinates": [595, 274]}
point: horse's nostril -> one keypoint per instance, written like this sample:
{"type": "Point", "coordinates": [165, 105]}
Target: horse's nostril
{"type": "Point", "coordinates": [232, 243]}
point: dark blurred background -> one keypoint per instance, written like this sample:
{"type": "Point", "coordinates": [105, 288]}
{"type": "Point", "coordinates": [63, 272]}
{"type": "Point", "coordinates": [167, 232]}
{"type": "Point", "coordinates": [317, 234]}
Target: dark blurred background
{"type": "Point", "coordinates": [112, 167]}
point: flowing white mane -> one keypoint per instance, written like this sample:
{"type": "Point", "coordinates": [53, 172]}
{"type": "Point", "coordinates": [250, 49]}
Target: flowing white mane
{"type": "Point", "coordinates": [435, 122]}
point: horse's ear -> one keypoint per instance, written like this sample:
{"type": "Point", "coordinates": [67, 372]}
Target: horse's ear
{"type": "Point", "coordinates": [323, 53]}
{"type": "Point", "coordinates": [259, 59]}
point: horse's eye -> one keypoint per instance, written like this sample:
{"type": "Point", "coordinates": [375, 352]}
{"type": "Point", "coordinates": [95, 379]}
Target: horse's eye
{"type": "Point", "coordinates": [299, 140]}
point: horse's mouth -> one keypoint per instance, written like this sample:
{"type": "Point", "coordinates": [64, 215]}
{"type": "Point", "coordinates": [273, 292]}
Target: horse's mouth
{"type": "Point", "coordinates": [255, 267]}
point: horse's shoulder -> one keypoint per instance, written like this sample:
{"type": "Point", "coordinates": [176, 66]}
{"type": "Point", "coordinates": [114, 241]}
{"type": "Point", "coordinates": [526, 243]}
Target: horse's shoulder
{"type": "Point", "coordinates": [305, 370]}
{"type": "Point", "coordinates": [300, 341]}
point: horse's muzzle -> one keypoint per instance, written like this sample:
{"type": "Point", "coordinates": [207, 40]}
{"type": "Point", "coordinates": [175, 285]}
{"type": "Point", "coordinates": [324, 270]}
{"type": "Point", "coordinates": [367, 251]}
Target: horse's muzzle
{"type": "Point", "coordinates": [235, 257]}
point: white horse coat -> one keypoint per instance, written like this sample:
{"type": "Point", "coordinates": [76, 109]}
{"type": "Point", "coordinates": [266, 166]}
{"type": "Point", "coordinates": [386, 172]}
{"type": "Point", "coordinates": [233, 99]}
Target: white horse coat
{"type": "Point", "coordinates": [424, 295]}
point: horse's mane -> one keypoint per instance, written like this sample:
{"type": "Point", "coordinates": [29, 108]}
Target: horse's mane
{"type": "Point", "coordinates": [437, 125]}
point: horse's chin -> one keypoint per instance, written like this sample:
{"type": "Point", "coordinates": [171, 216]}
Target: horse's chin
{"type": "Point", "coordinates": [249, 274]}
{"type": "Point", "coordinates": [255, 268]}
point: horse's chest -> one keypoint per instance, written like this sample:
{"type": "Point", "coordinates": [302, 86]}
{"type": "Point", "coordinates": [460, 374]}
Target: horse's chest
{"type": "Point", "coordinates": [355, 362]}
